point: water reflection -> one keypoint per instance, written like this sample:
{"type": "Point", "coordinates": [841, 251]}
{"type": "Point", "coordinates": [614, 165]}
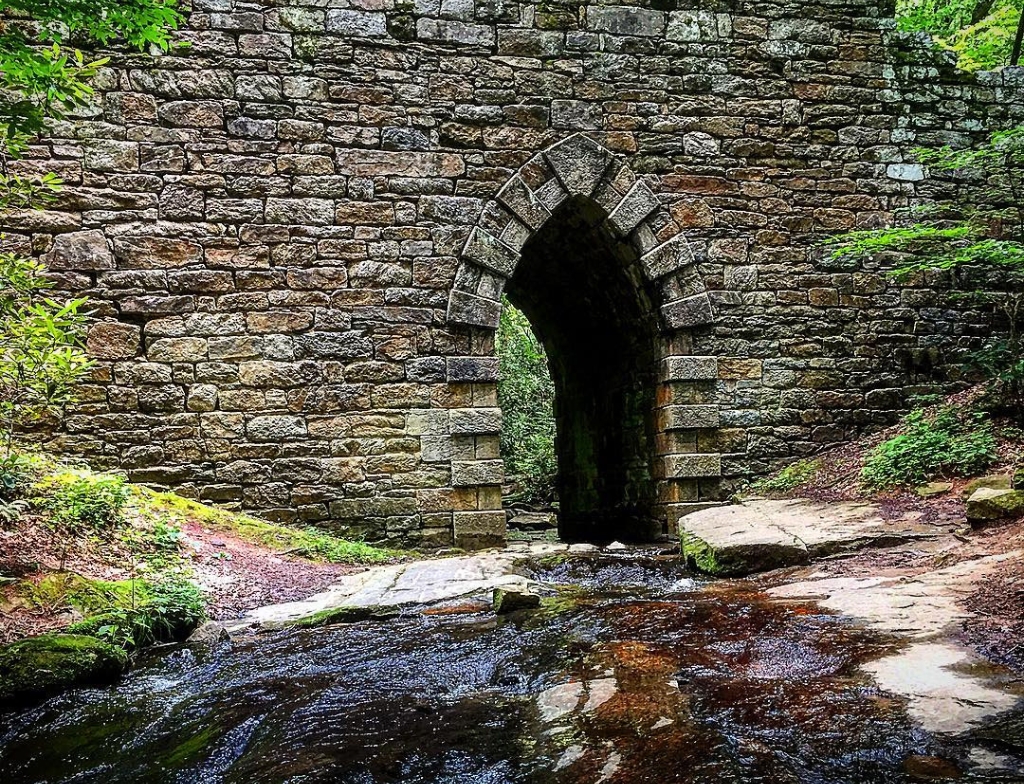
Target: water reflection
{"type": "Point", "coordinates": [633, 672]}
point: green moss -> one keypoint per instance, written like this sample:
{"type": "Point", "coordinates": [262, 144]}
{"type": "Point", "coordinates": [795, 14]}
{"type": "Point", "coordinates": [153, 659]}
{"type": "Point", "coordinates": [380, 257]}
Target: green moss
{"type": "Point", "coordinates": [335, 615]}
{"type": "Point", "coordinates": [789, 478]}
{"type": "Point", "coordinates": [566, 599]}
{"type": "Point", "coordinates": [126, 613]}
{"type": "Point", "coordinates": [700, 555]}
{"type": "Point", "coordinates": [191, 749]}
{"type": "Point", "coordinates": [82, 501]}
{"type": "Point", "coordinates": [307, 542]}
{"type": "Point", "coordinates": [51, 663]}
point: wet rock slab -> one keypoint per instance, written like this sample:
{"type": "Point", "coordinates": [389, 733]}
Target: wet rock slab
{"type": "Point", "coordinates": [384, 590]}
{"type": "Point", "coordinates": [947, 687]}
{"type": "Point", "coordinates": [761, 535]}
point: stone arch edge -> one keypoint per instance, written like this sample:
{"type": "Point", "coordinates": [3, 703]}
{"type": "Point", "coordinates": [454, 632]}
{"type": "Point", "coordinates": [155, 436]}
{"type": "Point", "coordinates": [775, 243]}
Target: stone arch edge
{"type": "Point", "coordinates": [575, 166]}
{"type": "Point", "coordinates": [580, 166]}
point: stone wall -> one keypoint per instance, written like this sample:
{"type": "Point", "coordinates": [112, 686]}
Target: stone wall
{"type": "Point", "coordinates": [296, 231]}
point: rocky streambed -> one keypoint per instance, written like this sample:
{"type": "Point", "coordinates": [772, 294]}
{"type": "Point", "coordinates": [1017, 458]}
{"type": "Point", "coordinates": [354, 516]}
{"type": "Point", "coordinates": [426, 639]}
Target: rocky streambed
{"type": "Point", "coordinates": [631, 669]}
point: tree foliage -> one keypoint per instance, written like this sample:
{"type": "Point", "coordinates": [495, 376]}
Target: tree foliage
{"type": "Point", "coordinates": [43, 77]}
{"type": "Point", "coordinates": [41, 354]}
{"type": "Point", "coordinates": [976, 236]}
{"type": "Point", "coordinates": [981, 32]}
{"type": "Point", "coordinates": [526, 395]}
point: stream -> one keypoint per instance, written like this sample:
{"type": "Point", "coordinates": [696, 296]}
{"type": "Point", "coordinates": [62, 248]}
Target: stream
{"type": "Point", "coordinates": [633, 670]}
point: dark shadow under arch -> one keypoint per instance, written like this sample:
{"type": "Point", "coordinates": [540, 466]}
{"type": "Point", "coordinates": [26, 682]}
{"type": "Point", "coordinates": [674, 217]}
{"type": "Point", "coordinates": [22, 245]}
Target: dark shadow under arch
{"type": "Point", "coordinates": [584, 292]}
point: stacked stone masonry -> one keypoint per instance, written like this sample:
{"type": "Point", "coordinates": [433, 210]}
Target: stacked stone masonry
{"type": "Point", "coordinates": [295, 233]}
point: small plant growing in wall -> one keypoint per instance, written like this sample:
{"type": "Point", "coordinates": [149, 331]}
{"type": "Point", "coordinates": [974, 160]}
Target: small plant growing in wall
{"type": "Point", "coordinates": [975, 236]}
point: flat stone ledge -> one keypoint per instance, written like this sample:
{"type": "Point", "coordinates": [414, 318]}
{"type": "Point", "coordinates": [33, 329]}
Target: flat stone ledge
{"type": "Point", "coordinates": [762, 535]}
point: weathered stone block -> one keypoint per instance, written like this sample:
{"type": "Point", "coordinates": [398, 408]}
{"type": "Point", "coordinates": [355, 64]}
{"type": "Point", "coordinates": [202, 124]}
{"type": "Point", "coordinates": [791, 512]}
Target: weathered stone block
{"type": "Point", "coordinates": [634, 207]}
{"type": "Point", "coordinates": [490, 252]}
{"type": "Point", "coordinates": [579, 163]}
{"type": "Point", "coordinates": [475, 530]}
{"type": "Point", "coordinates": [576, 115]}
{"type": "Point", "coordinates": [113, 340]}
{"type": "Point", "coordinates": [359, 24]}
{"type": "Point", "coordinates": [668, 257]}
{"type": "Point", "coordinates": [156, 252]}
{"type": "Point", "coordinates": [625, 20]}
{"type": "Point", "coordinates": [80, 250]}
{"type": "Point", "coordinates": [690, 417]}
{"type": "Point", "coordinates": [192, 114]}
{"type": "Point", "coordinates": [316, 212]}
{"type": "Point", "coordinates": [691, 466]}
{"type": "Point", "coordinates": [688, 368]}
{"type": "Point", "coordinates": [178, 350]}
{"type": "Point", "coordinates": [693, 311]}
{"type": "Point", "coordinates": [275, 428]}
{"type": "Point", "coordinates": [476, 421]}
{"type": "Point", "coordinates": [454, 32]}
{"type": "Point", "coordinates": [522, 201]}
{"type": "Point", "coordinates": [477, 472]}
{"type": "Point", "coordinates": [108, 155]}
{"type": "Point", "coordinates": [472, 369]}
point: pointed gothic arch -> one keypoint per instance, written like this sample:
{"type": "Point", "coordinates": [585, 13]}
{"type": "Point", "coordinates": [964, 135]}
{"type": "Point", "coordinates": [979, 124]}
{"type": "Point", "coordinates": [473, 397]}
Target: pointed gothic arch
{"type": "Point", "coordinates": [576, 167]}
{"type": "Point", "coordinates": [575, 176]}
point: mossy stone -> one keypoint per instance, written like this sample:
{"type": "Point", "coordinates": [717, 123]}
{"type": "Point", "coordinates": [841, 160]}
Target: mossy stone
{"type": "Point", "coordinates": [338, 615]}
{"type": "Point", "coordinates": [506, 600]}
{"type": "Point", "coordinates": [49, 664]}
{"type": "Point", "coordinates": [987, 504]}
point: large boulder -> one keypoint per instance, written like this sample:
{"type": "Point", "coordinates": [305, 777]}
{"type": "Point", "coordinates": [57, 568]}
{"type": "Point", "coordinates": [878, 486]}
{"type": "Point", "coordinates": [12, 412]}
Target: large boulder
{"type": "Point", "coordinates": [992, 503]}
{"type": "Point", "coordinates": [45, 665]}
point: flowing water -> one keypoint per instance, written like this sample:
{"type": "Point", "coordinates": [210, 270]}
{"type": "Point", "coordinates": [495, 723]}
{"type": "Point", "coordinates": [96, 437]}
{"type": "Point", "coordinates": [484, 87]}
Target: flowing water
{"type": "Point", "coordinates": [633, 672]}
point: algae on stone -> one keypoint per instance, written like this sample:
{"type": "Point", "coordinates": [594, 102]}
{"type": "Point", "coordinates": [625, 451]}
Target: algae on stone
{"type": "Point", "coordinates": [51, 663]}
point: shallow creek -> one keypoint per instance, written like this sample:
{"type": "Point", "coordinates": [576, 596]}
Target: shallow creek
{"type": "Point", "coordinates": [632, 671]}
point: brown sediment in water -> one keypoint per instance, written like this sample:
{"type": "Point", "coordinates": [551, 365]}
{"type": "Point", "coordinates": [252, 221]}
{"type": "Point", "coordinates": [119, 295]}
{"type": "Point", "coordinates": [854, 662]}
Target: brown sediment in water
{"type": "Point", "coordinates": [651, 678]}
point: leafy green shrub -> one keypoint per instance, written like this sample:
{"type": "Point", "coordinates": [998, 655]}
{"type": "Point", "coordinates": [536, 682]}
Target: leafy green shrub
{"type": "Point", "coordinates": [789, 478]}
{"type": "Point", "coordinates": [18, 472]}
{"type": "Point", "coordinates": [947, 443]}
{"type": "Point", "coordinates": [41, 354]}
{"type": "Point", "coordinates": [85, 502]}
{"type": "Point", "coordinates": [526, 395]}
{"type": "Point", "coordinates": [158, 612]}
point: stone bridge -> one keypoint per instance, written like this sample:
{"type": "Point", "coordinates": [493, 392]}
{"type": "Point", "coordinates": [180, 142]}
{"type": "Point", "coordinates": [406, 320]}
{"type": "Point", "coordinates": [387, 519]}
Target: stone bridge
{"type": "Point", "coordinates": [296, 233]}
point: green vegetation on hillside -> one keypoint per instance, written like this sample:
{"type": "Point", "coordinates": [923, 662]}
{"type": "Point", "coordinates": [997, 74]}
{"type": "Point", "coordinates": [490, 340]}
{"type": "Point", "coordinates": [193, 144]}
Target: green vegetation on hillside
{"type": "Point", "coordinates": [981, 32]}
{"type": "Point", "coordinates": [975, 240]}
{"type": "Point", "coordinates": [946, 443]}
{"type": "Point", "coordinates": [526, 395]}
{"type": "Point", "coordinates": [172, 509]}
{"type": "Point", "coordinates": [103, 520]}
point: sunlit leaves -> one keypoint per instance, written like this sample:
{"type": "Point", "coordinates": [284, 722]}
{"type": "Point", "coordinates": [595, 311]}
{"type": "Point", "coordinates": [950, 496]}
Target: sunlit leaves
{"type": "Point", "coordinates": [43, 73]}
{"type": "Point", "coordinates": [976, 238]}
{"type": "Point", "coordinates": [41, 354]}
{"type": "Point", "coordinates": [981, 32]}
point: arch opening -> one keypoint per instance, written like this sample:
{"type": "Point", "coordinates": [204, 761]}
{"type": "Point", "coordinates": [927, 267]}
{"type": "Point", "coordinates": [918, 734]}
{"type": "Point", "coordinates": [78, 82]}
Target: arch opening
{"type": "Point", "coordinates": [583, 290]}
